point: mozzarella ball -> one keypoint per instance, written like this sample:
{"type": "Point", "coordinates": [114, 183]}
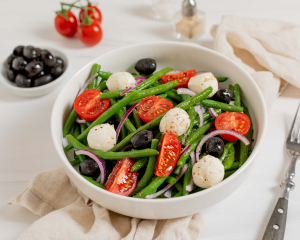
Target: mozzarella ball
{"type": "Point", "coordinates": [203, 81]}
{"type": "Point", "coordinates": [175, 121]}
{"type": "Point", "coordinates": [208, 172]}
{"type": "Point", "coordinates": [102, 137]}
{"type": "Point", "coordinates": [120, 81]}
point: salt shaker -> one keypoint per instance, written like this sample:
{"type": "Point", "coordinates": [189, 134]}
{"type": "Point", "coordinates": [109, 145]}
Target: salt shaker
{"type": "Point", "coordinates": [188, 24]}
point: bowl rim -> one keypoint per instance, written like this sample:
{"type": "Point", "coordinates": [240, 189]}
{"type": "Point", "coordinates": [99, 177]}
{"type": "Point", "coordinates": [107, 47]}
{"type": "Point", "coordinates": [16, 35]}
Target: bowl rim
{"type": "Point", "coordinates": [258, 143]}
{"type": "Point", "coordinates": [9, 84]}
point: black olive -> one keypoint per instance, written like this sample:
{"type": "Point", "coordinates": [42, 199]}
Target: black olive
{"type": "Point", "coordinates": [146, 66]}
{"type": "Point", "coordinates": [89, 168]}
{"type": "Point", "coordinates": [22, 81]}
{"type": "Point", "coordinates": [48, 58]}
{"type": "Point", "coordinates": [224, 95]}
{"type": "Point", "coordinates": [19, 63]}
{"type": "Point", "coordinates": [18, 51]}
{"type": "Point", "coordinates": [10, 59]}
{"type": "Point", "coordinates": [42, 80]}
{"type": "Point", "coordinates": [56, 71]}
{"type": "Point", "coordinates": [215, 147]}
{"type": "Point", "coordinates": [29, 52]}
{"type": "Point", "coordinates": [33, 68]}
{"type": "Point", "coordinates": [59, 61]}
{"type": "Point", "coordinates": [11, 74]}
{"type": "Point", "coordinates": [142, 139]}
{"type": "Point", "coordinates": [38, 52]}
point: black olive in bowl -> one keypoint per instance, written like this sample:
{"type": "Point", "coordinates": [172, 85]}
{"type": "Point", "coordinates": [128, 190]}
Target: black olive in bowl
{"type": "Point", "coordinates": [34, 68]}
{"type": "Point", "coordinates": [19, 63]}
{"type": "Point", "coordinates": [48, 58]}
{"type": "Point", "coordinates": [215, 147]}
{"type": "Point", "coordinates": [11, 74]}
{"type": "Point", "coordinates": [89, 168]}
{"type": "Point", "coordinates": [42, 80]}
{"type": "Point", "coordinates": [30, 52]}
{"type": "Point", "coordinates": [224, 95]}
{"type": "Point", "coordinates": [56, 71]}
{"type": "Point", "coordinates": [18, 51]}
{"type": "Point", "coordinates": [10, 59]}
{"type": "Point", "coordinates": [142, 139]}
{"type": "Point", "coordinates": [146, 66]}
{"type": "Point", "coordinates": [23, 81]}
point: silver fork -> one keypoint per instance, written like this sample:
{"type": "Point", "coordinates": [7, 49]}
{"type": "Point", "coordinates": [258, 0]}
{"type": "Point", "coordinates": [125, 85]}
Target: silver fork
{"type": "Point", "coordinates": [276, 226]}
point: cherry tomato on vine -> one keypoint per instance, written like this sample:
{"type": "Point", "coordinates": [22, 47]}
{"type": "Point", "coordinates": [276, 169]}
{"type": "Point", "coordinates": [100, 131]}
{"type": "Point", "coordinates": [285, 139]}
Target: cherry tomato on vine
{"type": "Point", "coordinates": [95, 15]}
{"type": "Point", "coordinates": [66, 23]}
{"type": "Point", "coordinates": [91, 34]}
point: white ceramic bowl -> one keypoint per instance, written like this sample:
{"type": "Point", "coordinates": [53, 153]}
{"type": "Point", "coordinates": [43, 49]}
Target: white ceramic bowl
{"type": "Point", "coordinates": [41, 90]}
{"type": "Point", "coordinates": [179, 56]}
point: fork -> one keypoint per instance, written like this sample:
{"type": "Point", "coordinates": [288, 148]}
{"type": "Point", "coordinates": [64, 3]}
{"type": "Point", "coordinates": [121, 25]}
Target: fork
{"type": "Point", "coordinates": [276, 226]}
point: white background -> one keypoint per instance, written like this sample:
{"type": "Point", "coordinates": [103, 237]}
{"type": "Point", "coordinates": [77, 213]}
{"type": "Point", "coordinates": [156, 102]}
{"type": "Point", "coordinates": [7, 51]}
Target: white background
{"type": "Point", "coordinates": [25, 142]}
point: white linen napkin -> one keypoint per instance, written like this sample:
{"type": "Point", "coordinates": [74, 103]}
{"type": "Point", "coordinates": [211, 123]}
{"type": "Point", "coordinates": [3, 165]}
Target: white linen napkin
{"type": "Point", "coordinates": [268, 50]}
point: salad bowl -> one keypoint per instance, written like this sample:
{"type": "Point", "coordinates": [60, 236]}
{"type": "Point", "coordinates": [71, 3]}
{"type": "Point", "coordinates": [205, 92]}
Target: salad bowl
{"type": "Point", "coordinates": [179, 56]}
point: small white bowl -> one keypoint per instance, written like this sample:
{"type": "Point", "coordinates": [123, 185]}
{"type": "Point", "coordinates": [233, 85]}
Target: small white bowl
{"type": "Point", "coordinates": [179, 56]}
{"type": "Point", "coordinates": [41, 90]}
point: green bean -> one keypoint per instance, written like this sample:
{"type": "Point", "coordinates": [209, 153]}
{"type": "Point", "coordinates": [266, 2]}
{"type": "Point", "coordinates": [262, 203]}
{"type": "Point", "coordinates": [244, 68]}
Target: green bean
{"type": "Point", "coordinates": [152, 187]}
{"type": "Point", "coordinates": [191, 113]}
{"type": "Point", "coordinates": [222, 79]}
{"type": "Point", "coordinates": [88, 123]}
{"type": "Point", "coordinates": [171, 100]}
{"type": "Point", "coordinates": [137, 120]}
{"type": "Point", "coordinates": [95, 69]}
{"type": "Point", "coordinates": [76, 132]}
{"type": "Point", "coordinates": [163, 95]}
{"type": "Point", "coordinates": [123, 133]}
{"type": "Point", "coordinates": [237, 95]}
{"type": "Point", "coordinates": [196, 134]}
{"type": "Point", "coordinates": [134, 75]}
{"type": "Point", "coordinates": [173, 95]}
{"type": "Point", "coordinates": [143, 93]}
{"type": "Point", "coordinates": [197, 189]}
{"type": "Point", "coordinates": [226, 150]}
{"type": "Point", "coordinates": [75, 162]}
{"type": "Point", "coordinates": [179, 194]}
{"type": "Point", "coordinates": [235, 165]}
{"type": "Point", "coordinates": [228, 173]}
{"type": "Point", "coordinates": [184, 97]}
{"type": "Point", "coordinates": [149, 170]}
{"type": "Point", "coordinates": [206, 115]}
{"type": "Point", "coordinates": [231, 88]}
{"type": "Point", "coordinates": [120, 114]}
{"type": "Point", "coordinates": [112, 155]}
{"type": "Point", "coordinates": [187, 153]}
{"type": "Point", "coordinates": [139, 164]}
{"type": "Point", "coordinates": [104, 75]}
{"type": "Point", "coordinates": [187, 178]}
{"type": "Point", "coordinates": [105, 116]}
{"type": "Point", "coordinates": [69, 123]}
{"type": "Point", "coordinates": [102, 86]}
{"type": "Point", "coordinates": [171, 180]}
{"type": "Point", "coordinates": [94, 182]}
{"type": "Point", "coordinates": [229, 158]}
{"type": "Point", "coordinates": [223, 106]}
{"type": "Point", "coordinates": [155, 122]}
{"type": "Point", "coordinates": [177, 170]}
{"type": "Point", "coordinates": [158, 136]}
{"type": "Point", "coordinates": [178, 186]}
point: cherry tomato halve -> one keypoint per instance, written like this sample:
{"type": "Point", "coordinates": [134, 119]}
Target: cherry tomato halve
{"type": "Point", "coordinates": [236, 121]}
{"type": "Point", "coordinates": [182, 78]}
{"type": "Point", "coordinates": [95, 14]}
{"type": "Point", "coordinates": [169, 154]}
{"type": "Point", "coordinates": [66, 27]}
{"type": "Point", "coordinates": [121, 180]}
{"type": "Point", "coordinates": [91, 34]}
{"type": "Point", "coordinates": [152, 107]}
{"type": "Point", "coordinates": [89, 106]}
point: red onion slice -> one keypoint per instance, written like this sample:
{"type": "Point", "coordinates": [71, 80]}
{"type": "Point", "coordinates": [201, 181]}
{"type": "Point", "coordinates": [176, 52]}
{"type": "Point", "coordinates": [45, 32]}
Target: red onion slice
{"type": "Point", "coordinates": [131, 87]}
{"type": "Point", "coordinates": [212, 112]}
{"type": "Point", "coordinates": [155, 195]}
{"type": "Point", "coordinates": [168, 193]}
{"type": "Point", "coordinates": [123, 119]}
{"type": "Point", "coordinates": [200, 113]}
{"type": "Point", "coordinates": [200, 72]}
{"type": "Point", "coordinates": [193, 157]}
{"type": "Point", "coordinates": [80, 121]}
{"type": "Point", "coordinates": [185, 149]}
{"type": "Point", "coordinates": [186, 91]}
{"type": "Point", "coordinates": [231, 102]}
{"type": "Point", "coordinates": [128, 146]}
{"type": "Point", "coordinates": [172, 72]}
{"type": "Point", "coordinates": [141, 78]}
{"type": "Point", "coordinates": [87, 83]}
{"type": "Point", "coordinates": [218, 132]}
{"type": "Point", "coordinates": [101, 164]}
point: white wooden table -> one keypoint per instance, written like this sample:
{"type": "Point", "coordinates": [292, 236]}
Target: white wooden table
{"type": "Point", "coordinates": [25, 142]}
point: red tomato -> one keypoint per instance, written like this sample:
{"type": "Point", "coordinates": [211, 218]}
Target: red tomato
{"type": "Point", "coordinates": [65, 27]}
{"type": "Point", "coordinates": [169, 154]}
{"type": "Point", "coordinates": [89, 106]}
{"type": "Point", "coordinates": [96, 14]}
{"type": "Point", "coordinates": [121, 180]}
{"type": "Point", "coordinates": [152, 107]}
{"type": "Point", "coordinates": [236, 121]}
{"type": "Point", "coordinates": [91, 34]}
{"type": "Point", "coordinates": [182, 78]}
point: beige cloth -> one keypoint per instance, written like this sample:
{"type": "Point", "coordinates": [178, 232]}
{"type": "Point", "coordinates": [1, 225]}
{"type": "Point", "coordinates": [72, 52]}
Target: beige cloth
{"type": "Point", "coordinates": [68, 214]}
{"type": "Point", "coordinates": [268, 50]}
